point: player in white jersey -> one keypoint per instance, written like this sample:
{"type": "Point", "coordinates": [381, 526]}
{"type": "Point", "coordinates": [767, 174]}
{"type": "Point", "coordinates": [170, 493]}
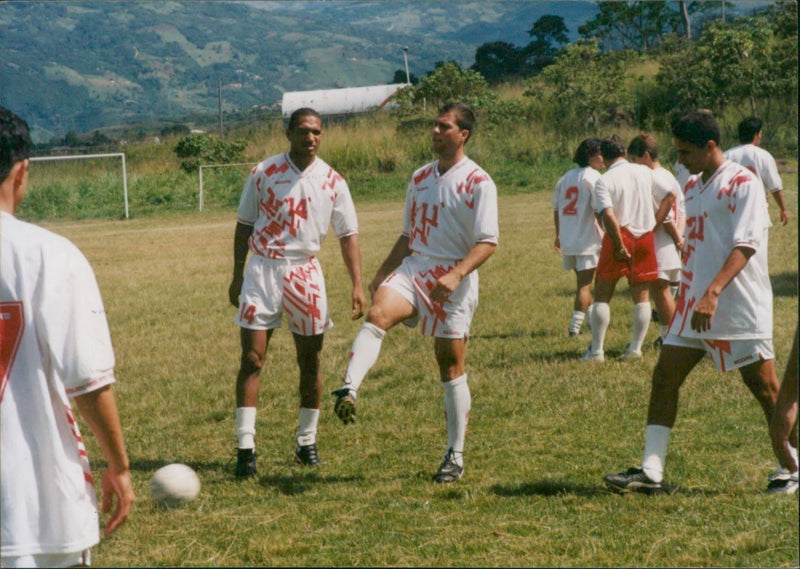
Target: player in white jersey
{"type": "Point", "coordinates": [578, 235]}
{"type": "Point", "coordinates": [286, 207]}
{"type": "Point", "coordinates": [449, 229]}
{"type": "Point", "coordinates": [54, 346]}
{"type": "Point", "coordinates": [623, 199]}
{"type": "Point", "coordinates": [724, 307]}
{"type": "Point", "coordinates": [668, 234]}
{"type": "Point", "coordinates": [750, 155]}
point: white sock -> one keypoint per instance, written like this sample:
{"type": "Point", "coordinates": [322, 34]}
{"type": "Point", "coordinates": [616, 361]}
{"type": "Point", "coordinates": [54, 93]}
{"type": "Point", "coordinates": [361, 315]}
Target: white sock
{"type": "Point", "coordinates": [785, 471]}
{"type": "Point", "coordinates": [457, 404]}
{"type": "Point", "coordinates": [307, 427]}
{"type": "Point", "coordinates": [673, 289]}
{"type": "Point", "coordinates": [577, 321]}
{"type": "Point", "coordinates": [656, 441]}
{"type": "Point", "coordinates": [246, 426]}
{"type": "Point", "coordinates": [662, 328]}
{"type": "Point", "coordinates": [601, 318]}
{"type": "Point", "coordinates": [589, 315]}
{"type": "Point", "coordinates": [363, 355]}
{"type": "Point", "coordinates": [641, 320]}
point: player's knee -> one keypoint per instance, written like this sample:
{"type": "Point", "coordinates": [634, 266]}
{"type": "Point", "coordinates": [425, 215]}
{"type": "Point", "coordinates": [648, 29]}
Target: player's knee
{"type": "Point", "coordinates": [252, 361]}
{"type": "Point", "coordinates": [377, 317]}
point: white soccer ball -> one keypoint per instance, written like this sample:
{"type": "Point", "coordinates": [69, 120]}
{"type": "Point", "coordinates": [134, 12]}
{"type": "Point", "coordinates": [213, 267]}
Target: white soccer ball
{"type": "Point", "coordinates": [174, 484]}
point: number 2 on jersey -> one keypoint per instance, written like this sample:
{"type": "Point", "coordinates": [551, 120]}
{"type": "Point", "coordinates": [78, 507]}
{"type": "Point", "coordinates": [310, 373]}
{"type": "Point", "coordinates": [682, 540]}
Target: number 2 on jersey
{"type": "Point", "coordinates": [572, 198]}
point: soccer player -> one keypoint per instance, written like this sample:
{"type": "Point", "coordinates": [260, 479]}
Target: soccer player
{"type": "Point", "coordinates": [578, 234]}
{"type": "Point", "coordinates": [286, 207]}
{"type": "Point", "coordinates": [623, 200]}
{"type": "Point", "coordinates": [724, 307]}
{"type": "Point", "coordinates": [449, 229]}
{"type": "Point", "coordinates": [783, 428]}
{"type": "Point", "coordinates": [750, 155]}
{"type": "Point", "coordinates": [670, 221]}
{"type": "Point", "coordinates": [54, 346]}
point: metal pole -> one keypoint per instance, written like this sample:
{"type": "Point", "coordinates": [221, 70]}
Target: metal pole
{"type": "Point", "coordinates": [125, 185]}
{"type": "Point", "coordinates": [405, 58]}
{"type": "Point", "coordinates": [219, 105]}
{"type": "Point", "coordinates": [201, 188]}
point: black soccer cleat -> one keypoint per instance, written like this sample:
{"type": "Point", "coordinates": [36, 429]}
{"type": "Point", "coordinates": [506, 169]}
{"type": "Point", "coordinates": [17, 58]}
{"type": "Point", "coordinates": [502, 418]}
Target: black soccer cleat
{"type": "Point", "coordinates": [449, 470]}
{"type": "Point", "coordinates": [345, 406]}
{"type": "Point", "coordinates": [245, 463]}
{"type": "Point", "coordinates": [632, 480]}
{"type": "Point", "coordinates": [307, 455]}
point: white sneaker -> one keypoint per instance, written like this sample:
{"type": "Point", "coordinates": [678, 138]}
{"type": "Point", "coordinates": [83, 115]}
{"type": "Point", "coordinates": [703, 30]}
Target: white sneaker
{"type": "Point", "coordinates": [782, 484]}
{"type": "Point", "coordinates": [590, 356]}
{"type": "Point", "coordinates": [630, 354]}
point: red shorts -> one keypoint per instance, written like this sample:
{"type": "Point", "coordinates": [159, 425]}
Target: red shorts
{"type": "Point", "coordinates": [642, 266]}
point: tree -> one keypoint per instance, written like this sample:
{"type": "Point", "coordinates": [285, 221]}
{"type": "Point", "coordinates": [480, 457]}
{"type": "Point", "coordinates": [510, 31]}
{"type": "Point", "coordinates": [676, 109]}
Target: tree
{"type": "Point", "coordinates": [549, 34]}
{"type": "Point", "coordinates": [583, 86]}
{"type": "Point", "coordinates": [445, 84]}
{"type": "Point", "coordinates": [637, 24]}
{"type": "Point", "coordinates": [499, 60]}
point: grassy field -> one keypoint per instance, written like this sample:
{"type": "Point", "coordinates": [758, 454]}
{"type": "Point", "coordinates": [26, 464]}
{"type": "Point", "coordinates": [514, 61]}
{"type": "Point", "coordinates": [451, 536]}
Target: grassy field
{"type": "Point", "coordinates": [544, 428]}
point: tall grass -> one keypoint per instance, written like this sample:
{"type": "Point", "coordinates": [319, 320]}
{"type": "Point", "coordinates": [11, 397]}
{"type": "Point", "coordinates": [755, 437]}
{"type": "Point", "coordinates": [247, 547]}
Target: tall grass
{"type": "Point", "coordinates": [544, 428]}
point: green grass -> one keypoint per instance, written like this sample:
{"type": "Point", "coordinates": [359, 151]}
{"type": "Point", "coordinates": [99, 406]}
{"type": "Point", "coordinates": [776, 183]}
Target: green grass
{"type": "Point", "coordinates": [544, 429]}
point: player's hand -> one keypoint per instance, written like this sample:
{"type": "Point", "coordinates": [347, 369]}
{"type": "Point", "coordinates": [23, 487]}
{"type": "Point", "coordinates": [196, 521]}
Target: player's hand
{"type": "Point", "coordinates": [622, 255]}
{"type": "Point", "coordinates": [703, 313]}
{"type": "Point", "coordinates": [119, 485]}
{"type": "Point", "coordinates": [444, 287]}
{"type": "Point", "coordinates": [680, 243]}
{"type": "Point", "coordinates": [784, 216]}
{"type": "Point", "coordinates": [359, 303]}
{"type": "Point", "coordinates": [234, 290]}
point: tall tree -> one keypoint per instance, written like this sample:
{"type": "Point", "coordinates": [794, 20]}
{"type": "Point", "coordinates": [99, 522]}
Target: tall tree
{"type": "Point", "coordinates": [549, 34]}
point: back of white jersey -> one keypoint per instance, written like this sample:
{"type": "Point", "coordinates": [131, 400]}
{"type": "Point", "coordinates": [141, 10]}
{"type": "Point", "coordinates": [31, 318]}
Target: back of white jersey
{"type": "Point", "coordinates": [665, 184]}
{"type": "Point", "coordinates": [628, 188]}
{"type": "Point", "coordinates": [758, 161]}
{"type": "Point", "coordinates": [578, 230]}
{"type": "Point", "coordinates": [55, 345]}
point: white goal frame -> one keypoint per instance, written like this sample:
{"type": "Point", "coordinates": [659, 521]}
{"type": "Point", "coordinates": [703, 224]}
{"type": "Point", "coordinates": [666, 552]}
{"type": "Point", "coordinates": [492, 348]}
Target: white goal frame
{"type": "Point", "coordinates": [86, 156]}
{"type": "Point", "coordinates": [200, 170]}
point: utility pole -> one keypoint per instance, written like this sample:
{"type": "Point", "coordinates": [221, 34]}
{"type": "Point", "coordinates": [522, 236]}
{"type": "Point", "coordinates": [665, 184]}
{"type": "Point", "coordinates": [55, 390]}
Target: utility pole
{"type": "Point", "coordinates": [219, 105]}
{"type": "Point", "coordinates": [405, 58]}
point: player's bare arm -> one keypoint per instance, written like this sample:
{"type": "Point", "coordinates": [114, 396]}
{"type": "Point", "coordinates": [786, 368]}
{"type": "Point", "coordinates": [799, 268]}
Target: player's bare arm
{"type": "Point", "coordinates": [240, 248]}
{"type": "Point", "coordinates": [448, 282]}
{"type": "Point", "coordinates": [704, 310]}
{"type": "Point", "coordinates": [99, 410]}
{"type": "Point", "coordinates": [612, 229]}
{"type": "Point", "coordinates": [399, 251]}
{"type": "Point", "coordinates": [778, 197]}
{"type": "Point", "coordinates": [557, 242]}
{"type": "Point", "coordinates": [351, 254]}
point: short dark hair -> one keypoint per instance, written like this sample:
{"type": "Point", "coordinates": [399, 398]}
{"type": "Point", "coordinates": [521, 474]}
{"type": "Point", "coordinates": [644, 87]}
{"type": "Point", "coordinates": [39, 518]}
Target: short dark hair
{"type": "Point", "coordinates": [697, 128]}
{"type": "Point", "coordinates": [586, 149]}
{"type": "Point", "coordinates": [294, 119]}
{"type": "Point", "coordinates": [748, 129]}
{"type": "Point", "coordinates": [612, 147]}
{"type": "Point", "coordinates": [15, 141]}
{"type": "Point", "coordinates": [644, 143]}
{"type": "Point", "coordinates": [465, 118]}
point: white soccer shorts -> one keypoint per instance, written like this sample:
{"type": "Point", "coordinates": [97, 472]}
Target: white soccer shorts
{"type": "Point", "coordinates": [276, 287]}
{"type": "Point", "coordinates": [727, 355]}
{"type": "Point", "coordinates": [415, 278]}
{"type": "Point", "coordinates": [580, 262]}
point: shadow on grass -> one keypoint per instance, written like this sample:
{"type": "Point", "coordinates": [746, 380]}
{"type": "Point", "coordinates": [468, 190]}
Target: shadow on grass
{"type": "Point", "coordinates": [784, 284]}
{"type": "Point", "coordinates": [513, 334]}
{"type": "Point", "coordinates": [548, 488]}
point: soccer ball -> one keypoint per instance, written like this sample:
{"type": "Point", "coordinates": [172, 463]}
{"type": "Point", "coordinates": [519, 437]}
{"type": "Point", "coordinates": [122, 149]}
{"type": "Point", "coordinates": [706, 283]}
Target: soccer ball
{"type": "Point", "coordinates": [174, 484]}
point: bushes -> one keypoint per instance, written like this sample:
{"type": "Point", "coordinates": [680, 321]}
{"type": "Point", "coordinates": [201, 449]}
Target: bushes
{"type": "Point", "coordinates": [198, 149]}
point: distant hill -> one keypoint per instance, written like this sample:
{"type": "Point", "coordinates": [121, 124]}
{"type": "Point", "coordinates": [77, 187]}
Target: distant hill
{"type": "Point", "coordinates": [86, 65]}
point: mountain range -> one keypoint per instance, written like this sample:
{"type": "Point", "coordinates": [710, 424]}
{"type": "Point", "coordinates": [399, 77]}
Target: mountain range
{"type": "Point", "coordinates": [87, 65]}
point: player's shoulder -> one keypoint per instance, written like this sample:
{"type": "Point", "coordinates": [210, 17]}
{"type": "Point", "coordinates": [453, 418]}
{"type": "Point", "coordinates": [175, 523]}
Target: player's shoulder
{"type": "Point", "coordinates": [35, 239]}
{"type": "Point", "coordinates": [423, 172]}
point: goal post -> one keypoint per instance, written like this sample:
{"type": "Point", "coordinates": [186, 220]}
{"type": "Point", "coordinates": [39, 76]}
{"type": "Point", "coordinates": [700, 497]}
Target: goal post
{"type": "Point", "coordinates": [200, 169]}
{"type": "Point", "coordinates": [87, 156]}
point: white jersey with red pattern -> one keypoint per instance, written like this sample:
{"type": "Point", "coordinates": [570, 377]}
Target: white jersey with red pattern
{"type": "Point", "coordinates": [666, 252]}
{"type": "Point", "coordinates": [447, 215]}
{"type": "Point", "coordinates": [727, 211]}
{"type": "Point", "coordinates": [628, 188]}
{"type": "Point", "coordinates": [55, 345]}
{"type": "Point", "coordinates": [578, 230]}
{"type": "Point", "coordinates": [290, 210]}
{"type": "Point", "coordinates": [758, 161]}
